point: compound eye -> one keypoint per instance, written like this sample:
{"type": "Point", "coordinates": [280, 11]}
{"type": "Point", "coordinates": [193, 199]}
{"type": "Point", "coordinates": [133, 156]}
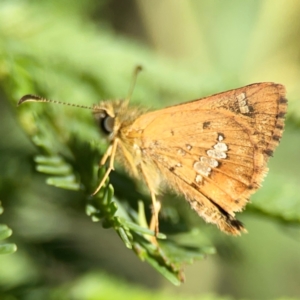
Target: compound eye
{"type": "Point", "coordinates": [107, 124]}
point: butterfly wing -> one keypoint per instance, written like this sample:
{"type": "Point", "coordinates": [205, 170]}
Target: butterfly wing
{"type": "Point", "coordinates": [214, 150]}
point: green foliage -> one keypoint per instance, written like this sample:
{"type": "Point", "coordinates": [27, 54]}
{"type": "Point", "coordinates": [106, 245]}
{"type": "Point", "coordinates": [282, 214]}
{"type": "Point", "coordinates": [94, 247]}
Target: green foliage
{"type": "Point", "coordinates": [5, 232]}
{"type": "Point", "coordinates": [282, 204]}
{"type": "Point", "coordinates": [53, 49]}
{"type": "Point", "coordinates": [99, 286]}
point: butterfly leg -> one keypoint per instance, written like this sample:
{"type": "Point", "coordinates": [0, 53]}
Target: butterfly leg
{"type": "Point", "coordinates": [110, 152]}
{"type": "Point", "coordinates": [154, 223]}
{"type": "Point", "coordinates": [106, 155]}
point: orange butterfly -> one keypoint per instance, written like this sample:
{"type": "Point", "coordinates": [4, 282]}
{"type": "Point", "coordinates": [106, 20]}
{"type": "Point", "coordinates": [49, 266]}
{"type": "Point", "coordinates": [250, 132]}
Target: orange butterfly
{"type": "Point", "coordinates": [212, 150]}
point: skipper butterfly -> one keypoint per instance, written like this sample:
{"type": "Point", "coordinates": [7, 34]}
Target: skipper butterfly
{"type": "Point", "coordinates": [213, 150]}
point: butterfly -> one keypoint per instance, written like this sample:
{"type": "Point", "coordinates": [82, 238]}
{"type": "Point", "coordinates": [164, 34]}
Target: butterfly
{"type": "Point", "coordinates": [213, 151]}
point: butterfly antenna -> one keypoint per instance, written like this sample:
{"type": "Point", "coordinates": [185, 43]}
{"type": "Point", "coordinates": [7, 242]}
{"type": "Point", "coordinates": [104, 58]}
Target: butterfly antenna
{"type": "Point", "coordinates": [136, 71]}
{"type": "Point", "coordinates": [34, 98]}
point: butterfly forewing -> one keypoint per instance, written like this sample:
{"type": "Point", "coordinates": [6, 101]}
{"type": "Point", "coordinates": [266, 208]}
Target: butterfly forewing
{"type": "Point", "coordinates": [214, 150]}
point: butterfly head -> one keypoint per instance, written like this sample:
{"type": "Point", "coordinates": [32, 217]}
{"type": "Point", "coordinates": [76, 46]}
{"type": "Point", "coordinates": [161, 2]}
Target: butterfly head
{"type": "Point", "coordinates": [107, 115]}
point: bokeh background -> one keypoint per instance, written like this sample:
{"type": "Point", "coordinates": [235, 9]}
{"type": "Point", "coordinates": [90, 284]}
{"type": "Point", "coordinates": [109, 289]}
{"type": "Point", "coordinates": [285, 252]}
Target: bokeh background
{"type": "Point", "coordinates": [84, 51]}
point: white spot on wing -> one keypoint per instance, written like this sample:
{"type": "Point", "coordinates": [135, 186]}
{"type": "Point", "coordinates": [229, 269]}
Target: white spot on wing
{"type": "Point", "coordinates": [198, 178]}
{"type": "Point", "coordinates": [181, 152]}
{"type": "Point", "coordinates": [137, 149]}
{"type": "Point", "coordinates": [242, 102]}
{"type": "Point", "coordinates": [221, 147]}
{"type": "Point", "coordinates": [241, 97]}
{"type": "Point", "coordinates": [202, 168]}
{"type": "Point", "coordinates": [209, 161]}
{"type": "Point", "coordinates": [216, 154]}
{"type": "Point", "coordinates": [205, 165]}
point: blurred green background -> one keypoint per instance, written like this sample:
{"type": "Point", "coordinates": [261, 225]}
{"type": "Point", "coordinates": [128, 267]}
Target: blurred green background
{"type": "Point", "coordinates": [84, 51]}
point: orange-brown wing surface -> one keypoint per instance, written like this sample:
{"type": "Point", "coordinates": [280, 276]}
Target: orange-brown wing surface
{"type": "Point", "coordinates": [214, 150]}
